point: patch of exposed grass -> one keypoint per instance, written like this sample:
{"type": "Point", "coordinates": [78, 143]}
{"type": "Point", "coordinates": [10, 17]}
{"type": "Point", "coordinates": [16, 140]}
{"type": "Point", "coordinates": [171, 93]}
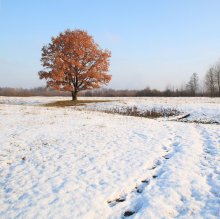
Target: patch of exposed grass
{"type": "Point", "coordinates": [152, 113]}
{"type": "Point", "coordinates": [64, 103]}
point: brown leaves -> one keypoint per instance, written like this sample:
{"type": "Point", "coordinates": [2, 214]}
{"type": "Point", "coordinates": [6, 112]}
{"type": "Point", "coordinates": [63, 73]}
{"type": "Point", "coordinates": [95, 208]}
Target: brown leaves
{"type": "Point", "coordinates": [74, 62]}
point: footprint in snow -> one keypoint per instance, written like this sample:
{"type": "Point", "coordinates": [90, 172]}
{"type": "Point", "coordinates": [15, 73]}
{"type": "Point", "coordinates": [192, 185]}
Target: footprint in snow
{"type": "Point", "coordinates": [165, 148]}
{"type": "Point", "coordinates": [116, 201]}
{"type": "Point", "coordinates": [129, 213]}
{"type": "Point", "coordinates": [153, 167]}
{"type": "Point", "coordinates": [145, 181]}
{"type": "Point", "coordinates": [139, 189]}
{"type": "Point", "coordinates": [156, 164]}
{"type": "Point", "coordinates": [167, 156]}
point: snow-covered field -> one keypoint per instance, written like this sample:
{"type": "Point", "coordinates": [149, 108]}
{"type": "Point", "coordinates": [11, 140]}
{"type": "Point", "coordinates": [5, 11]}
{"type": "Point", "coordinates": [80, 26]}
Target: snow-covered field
{"type": "Point", "coordinates": [201, 109]}
{"type": "Point", "coordinates": [78, 162]}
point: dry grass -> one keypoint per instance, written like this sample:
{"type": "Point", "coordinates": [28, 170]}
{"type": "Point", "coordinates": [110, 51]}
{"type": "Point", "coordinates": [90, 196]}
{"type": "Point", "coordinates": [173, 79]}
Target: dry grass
{"type": "Point", "coordinates": [65, 103]}
{"type": "Point", "coordinates": [152, 113]}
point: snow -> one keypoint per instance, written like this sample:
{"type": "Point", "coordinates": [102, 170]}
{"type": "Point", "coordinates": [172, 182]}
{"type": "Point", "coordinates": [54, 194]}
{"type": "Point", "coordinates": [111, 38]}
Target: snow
{"type": "Point", "coordinates": [201, 109]}
{"type": "Point", "coordinates": [78, 162]}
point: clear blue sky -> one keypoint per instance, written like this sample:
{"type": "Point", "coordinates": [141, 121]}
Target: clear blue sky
{"type": "Point", "coordinates": [153, 42]}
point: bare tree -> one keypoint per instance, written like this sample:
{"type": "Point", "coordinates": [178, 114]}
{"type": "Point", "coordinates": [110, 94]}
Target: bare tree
{"type": "Point", "coordinates": [217, 77]}
{"type": "Point", "coordinates": [210, 81]}
{"type": "Point", "coordinates": [193, 84]}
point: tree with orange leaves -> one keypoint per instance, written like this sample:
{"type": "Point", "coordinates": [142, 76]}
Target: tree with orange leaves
{"type": "Point", "coordinates": [74, 62]}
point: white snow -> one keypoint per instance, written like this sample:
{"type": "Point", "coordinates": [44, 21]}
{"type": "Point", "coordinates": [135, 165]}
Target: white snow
{"type": "Point", "coordinates": [201, 109]}
{"type": "Point", "coordinates": [76, 162]}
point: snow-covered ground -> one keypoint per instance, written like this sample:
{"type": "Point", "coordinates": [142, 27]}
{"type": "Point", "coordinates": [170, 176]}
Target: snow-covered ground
{"type": "Point", "coordinates": [206, 110]}
{"type": "Point", "coordinates": [201, 109]}
{"type": "Point", "coordinates": [77, 162]}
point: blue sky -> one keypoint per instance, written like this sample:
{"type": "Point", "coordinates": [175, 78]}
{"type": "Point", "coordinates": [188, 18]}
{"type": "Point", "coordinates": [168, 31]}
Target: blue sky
{"type": "Point", "coordinates": [153, 42]}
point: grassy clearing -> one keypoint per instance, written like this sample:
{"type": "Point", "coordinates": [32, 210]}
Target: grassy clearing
{"type": "Point", "coordinates": [65, 103]}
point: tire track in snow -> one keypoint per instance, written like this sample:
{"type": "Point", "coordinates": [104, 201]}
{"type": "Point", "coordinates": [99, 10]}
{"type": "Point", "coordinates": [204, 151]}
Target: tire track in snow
{"type": "Point", "coordinates": [186, 150]}
{"type": "Point", "coordinates": [136, 193]}
{"type": "Point", "coordinates": [199, 187]}
{"type": "Point", "coordinates": [211, 169]}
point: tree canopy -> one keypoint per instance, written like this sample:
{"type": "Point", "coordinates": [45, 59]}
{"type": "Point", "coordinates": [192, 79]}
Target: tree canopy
{"type": "Point", "coordinates": [73, 62]}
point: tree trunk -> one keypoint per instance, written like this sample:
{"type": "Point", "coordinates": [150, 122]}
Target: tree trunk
{"type": "Point", "coordinates": [219, 88]}
{"type": "Point", "coordinates": [74, 95]}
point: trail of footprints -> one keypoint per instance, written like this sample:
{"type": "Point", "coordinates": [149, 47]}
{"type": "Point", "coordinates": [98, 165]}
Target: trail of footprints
{"type": "Point", "coordinates": [144, 183]}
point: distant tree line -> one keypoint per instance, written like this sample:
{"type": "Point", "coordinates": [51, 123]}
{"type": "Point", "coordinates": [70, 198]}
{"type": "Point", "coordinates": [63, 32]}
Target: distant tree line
{"type": "Point", "coordinates": [39, 91]}
{"type": "Point", "coordinates": [209, 86]}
